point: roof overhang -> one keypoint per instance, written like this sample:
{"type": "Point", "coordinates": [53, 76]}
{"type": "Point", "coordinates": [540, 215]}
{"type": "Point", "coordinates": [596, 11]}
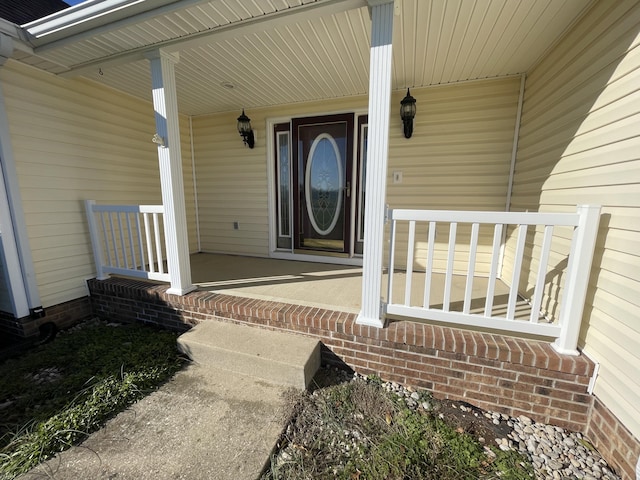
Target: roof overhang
{"type": "Point", "coordinates": [288, 51]}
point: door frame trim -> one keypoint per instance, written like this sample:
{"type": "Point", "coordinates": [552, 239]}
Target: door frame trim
{"type": "Point", "coordinates": [274, 252]}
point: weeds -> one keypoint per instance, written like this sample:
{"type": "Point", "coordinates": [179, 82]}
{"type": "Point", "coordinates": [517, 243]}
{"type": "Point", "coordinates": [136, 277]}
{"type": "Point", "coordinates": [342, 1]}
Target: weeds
{"type": "Point", "coordinates": [89, 376]}
{"type": "Point", "coordinates": [357, 430]}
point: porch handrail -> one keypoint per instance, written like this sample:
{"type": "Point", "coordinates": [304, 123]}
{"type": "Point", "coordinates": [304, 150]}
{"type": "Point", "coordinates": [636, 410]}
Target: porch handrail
{"type": "Point", "coordinates": [127, 240]}
{"type": "Point", "coordinates": [565, 330]}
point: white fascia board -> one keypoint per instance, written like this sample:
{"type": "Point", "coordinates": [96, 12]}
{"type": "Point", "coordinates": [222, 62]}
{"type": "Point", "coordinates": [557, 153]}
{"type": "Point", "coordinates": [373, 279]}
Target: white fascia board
{"type": "Point", "coordinates": [87, 16]}
{"type": "Point", "coordinates": [17, 34]}
{"type": "Point", "coordinates": [9, 28]}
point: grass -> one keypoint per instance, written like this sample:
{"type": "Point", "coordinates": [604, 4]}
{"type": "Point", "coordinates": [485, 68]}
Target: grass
{"type": "Point", "coordinates": [357, 431]}
{"type": "Point", "coordinates": [56, 394]}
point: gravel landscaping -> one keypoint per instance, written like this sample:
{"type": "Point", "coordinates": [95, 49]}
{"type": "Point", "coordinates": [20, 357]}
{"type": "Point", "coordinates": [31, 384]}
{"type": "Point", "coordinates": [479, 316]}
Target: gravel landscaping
{"type": "Point", "coordinates": [550, 452]}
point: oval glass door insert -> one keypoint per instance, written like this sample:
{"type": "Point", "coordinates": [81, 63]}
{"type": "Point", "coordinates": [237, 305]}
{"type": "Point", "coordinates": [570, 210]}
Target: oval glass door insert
{"type": "Point", "coordinates": [323, 184]}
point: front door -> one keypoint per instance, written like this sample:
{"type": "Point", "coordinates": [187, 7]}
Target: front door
{"type": "Point", "coordinates": [322, 181]}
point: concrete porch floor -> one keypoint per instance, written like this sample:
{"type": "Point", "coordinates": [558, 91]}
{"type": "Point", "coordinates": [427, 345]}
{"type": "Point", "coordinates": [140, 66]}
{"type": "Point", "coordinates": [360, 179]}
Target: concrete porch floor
{"type": "Point", "coordinates": [336, 287]}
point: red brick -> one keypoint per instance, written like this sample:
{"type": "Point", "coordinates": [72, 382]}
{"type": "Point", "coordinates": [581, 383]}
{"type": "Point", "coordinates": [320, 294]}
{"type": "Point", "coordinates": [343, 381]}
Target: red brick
{"type": "Point", "coordinates": [481, 345]}
{"type": "Point", "coordinates": [494, 372]}
{"type": "Point", "coordinates": [411, 356]}
{"type": "Point", "coordinates": [465, 385]}
{"type": "Point", "coordinates": [466, 367]}
{"type": "Point", "coordinates": [432, 352]}
{"type": "Point", "coordinates": [453, 356]}
{"type": "Point", "coordinates": [469, 342]}
{"type": "Point", "coordinates": [478, 395]}
{"type": "Point", "coordinates": [571, 387]}
{"type": "Point", "coordinates": [410, 333]}
{"type": "Point", "coordinates": [451, 391]}
{"type": "Point", "coordinates": [532, 380]}
{"type": "Point", "coordinates": [438, 339]}
{"type": "Point", "coordinates": [419, 366]}
{"type": "Point", "coordinates": [420, 329]}
{"type": "Point", "coordinates": [394, 362]}
{"type": "Point", "coordinates": [432, 377]}
{"type": "Point", "coordinates": [406, 372]}
{"type": "Point", "coordinates": [459, 342]}
{"type": "Point", "coordinates": [449, 342]}
{"type": "Point", "coordinates": [485, 362]}
{"type": "Point", "coordinates": [477, 378]}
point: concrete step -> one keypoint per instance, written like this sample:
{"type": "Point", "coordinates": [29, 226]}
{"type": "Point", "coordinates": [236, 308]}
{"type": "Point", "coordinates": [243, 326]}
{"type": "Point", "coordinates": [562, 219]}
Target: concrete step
{"type": "Point", "coordinates": [276, 357]}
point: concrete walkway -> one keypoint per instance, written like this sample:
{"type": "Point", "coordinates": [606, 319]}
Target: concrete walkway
{"type": "Point", "coordinates": [205, 423]}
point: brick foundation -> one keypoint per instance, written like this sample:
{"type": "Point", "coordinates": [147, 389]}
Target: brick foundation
{"type": "Point", "coordinates": [609, 435]}
{"type": "Point", "coordinates": [494, 372]}
{"type": "Point", "coordinates": [62, 315]}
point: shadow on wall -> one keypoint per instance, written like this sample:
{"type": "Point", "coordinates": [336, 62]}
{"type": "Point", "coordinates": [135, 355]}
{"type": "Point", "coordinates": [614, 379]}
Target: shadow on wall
{"type": "Point", "coordinates": [566, 88]}
{"type": "Point", "coordinates": [555, 277]}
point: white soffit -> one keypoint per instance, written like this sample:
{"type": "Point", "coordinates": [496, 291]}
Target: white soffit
{"type": "Point", "coordinates": [317, 56]}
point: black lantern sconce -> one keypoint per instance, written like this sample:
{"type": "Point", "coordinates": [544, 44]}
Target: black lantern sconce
{"type": "Point", "coordinates": [407, 113]}
{"type": "Point", "coordinates": [245, 131]}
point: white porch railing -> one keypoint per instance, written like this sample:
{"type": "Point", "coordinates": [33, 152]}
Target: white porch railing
{"type": "Point", "coordinates": [567, 326]}
{"type": "Point", "coordinates": [128, 240]}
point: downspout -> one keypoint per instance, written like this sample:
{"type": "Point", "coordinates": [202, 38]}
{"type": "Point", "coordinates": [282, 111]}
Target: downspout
{"type": "Point", "coordinates": [514, 150]}
{"type": "Point", "coordinates": [512, 168]}
{"type": "Point", "coordinates": [195, 185]}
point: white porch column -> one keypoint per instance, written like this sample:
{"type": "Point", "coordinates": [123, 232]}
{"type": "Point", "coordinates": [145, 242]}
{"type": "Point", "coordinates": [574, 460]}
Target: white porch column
{"type": "Point", "coordinates": [165, 103]}
{"type": "Point", "coordinates": [377, 157]}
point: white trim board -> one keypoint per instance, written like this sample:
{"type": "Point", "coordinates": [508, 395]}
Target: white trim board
{"type": "Point", "coordinates": [15, 242]}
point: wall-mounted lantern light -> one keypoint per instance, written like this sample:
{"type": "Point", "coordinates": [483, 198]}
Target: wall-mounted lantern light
{"type": "Point", "coordinates": [245, 131]}
{"type": "Point", "coordinates": [407, 113]}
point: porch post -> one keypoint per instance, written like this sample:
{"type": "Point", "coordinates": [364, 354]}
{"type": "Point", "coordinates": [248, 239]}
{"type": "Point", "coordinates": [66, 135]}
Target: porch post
{"type": "Point", "coordinates": [577, 281]}
{"type": "Point", "coordinates": [165, 104]}
{"type": "Point", "coordinates": [377, 156]}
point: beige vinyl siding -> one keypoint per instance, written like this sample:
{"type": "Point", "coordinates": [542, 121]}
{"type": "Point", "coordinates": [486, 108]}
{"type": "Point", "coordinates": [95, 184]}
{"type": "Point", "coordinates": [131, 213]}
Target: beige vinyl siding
{"type": "Point", "coordinates": [580, 144]}
{"type": "Point", "coordinates": [232, 179]}
{"type": "Point", "coordinates": [74, 140]}
{"type": "Point", "coordinates": [457, 159]}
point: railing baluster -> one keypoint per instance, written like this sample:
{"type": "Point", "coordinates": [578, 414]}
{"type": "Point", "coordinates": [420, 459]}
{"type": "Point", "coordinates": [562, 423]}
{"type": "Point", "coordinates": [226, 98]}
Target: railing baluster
{"type": "Point", "coordinates": [159, 255]}
{"type": "Point", "coordinates": [429, 273]}
{"type": "Point", "coordinates": [517, 270]}
{"type": "Point", "coordinates": [410, 252]}
{"type": "Point", "coordinates": [147, 236]}
{"type": "Point", "coordinates": [140, 244]}
{"type": "Point", "coordinates": [122, 244]}
{"type": "Point", "coordinates": [106, 239]}
{"type": "Point", "coordinates": [391, 269]}
{"type": "Point", "coordinates": [115, 243]}
{"type": "Point", "coordinates": [473, 247]}
{"type": "Point", "coordinates": [493, 270]}
{"type": "Point", "coordinates": [538, 291]}
{"type": "Point", "coordinates": [132, 247]}
{"type": "Point", "coordinates": [450, 257]}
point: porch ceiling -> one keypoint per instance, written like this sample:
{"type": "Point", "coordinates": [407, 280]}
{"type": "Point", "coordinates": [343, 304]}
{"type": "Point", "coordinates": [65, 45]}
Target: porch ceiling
{"type": "Point", "coordinates": [285, 51]}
